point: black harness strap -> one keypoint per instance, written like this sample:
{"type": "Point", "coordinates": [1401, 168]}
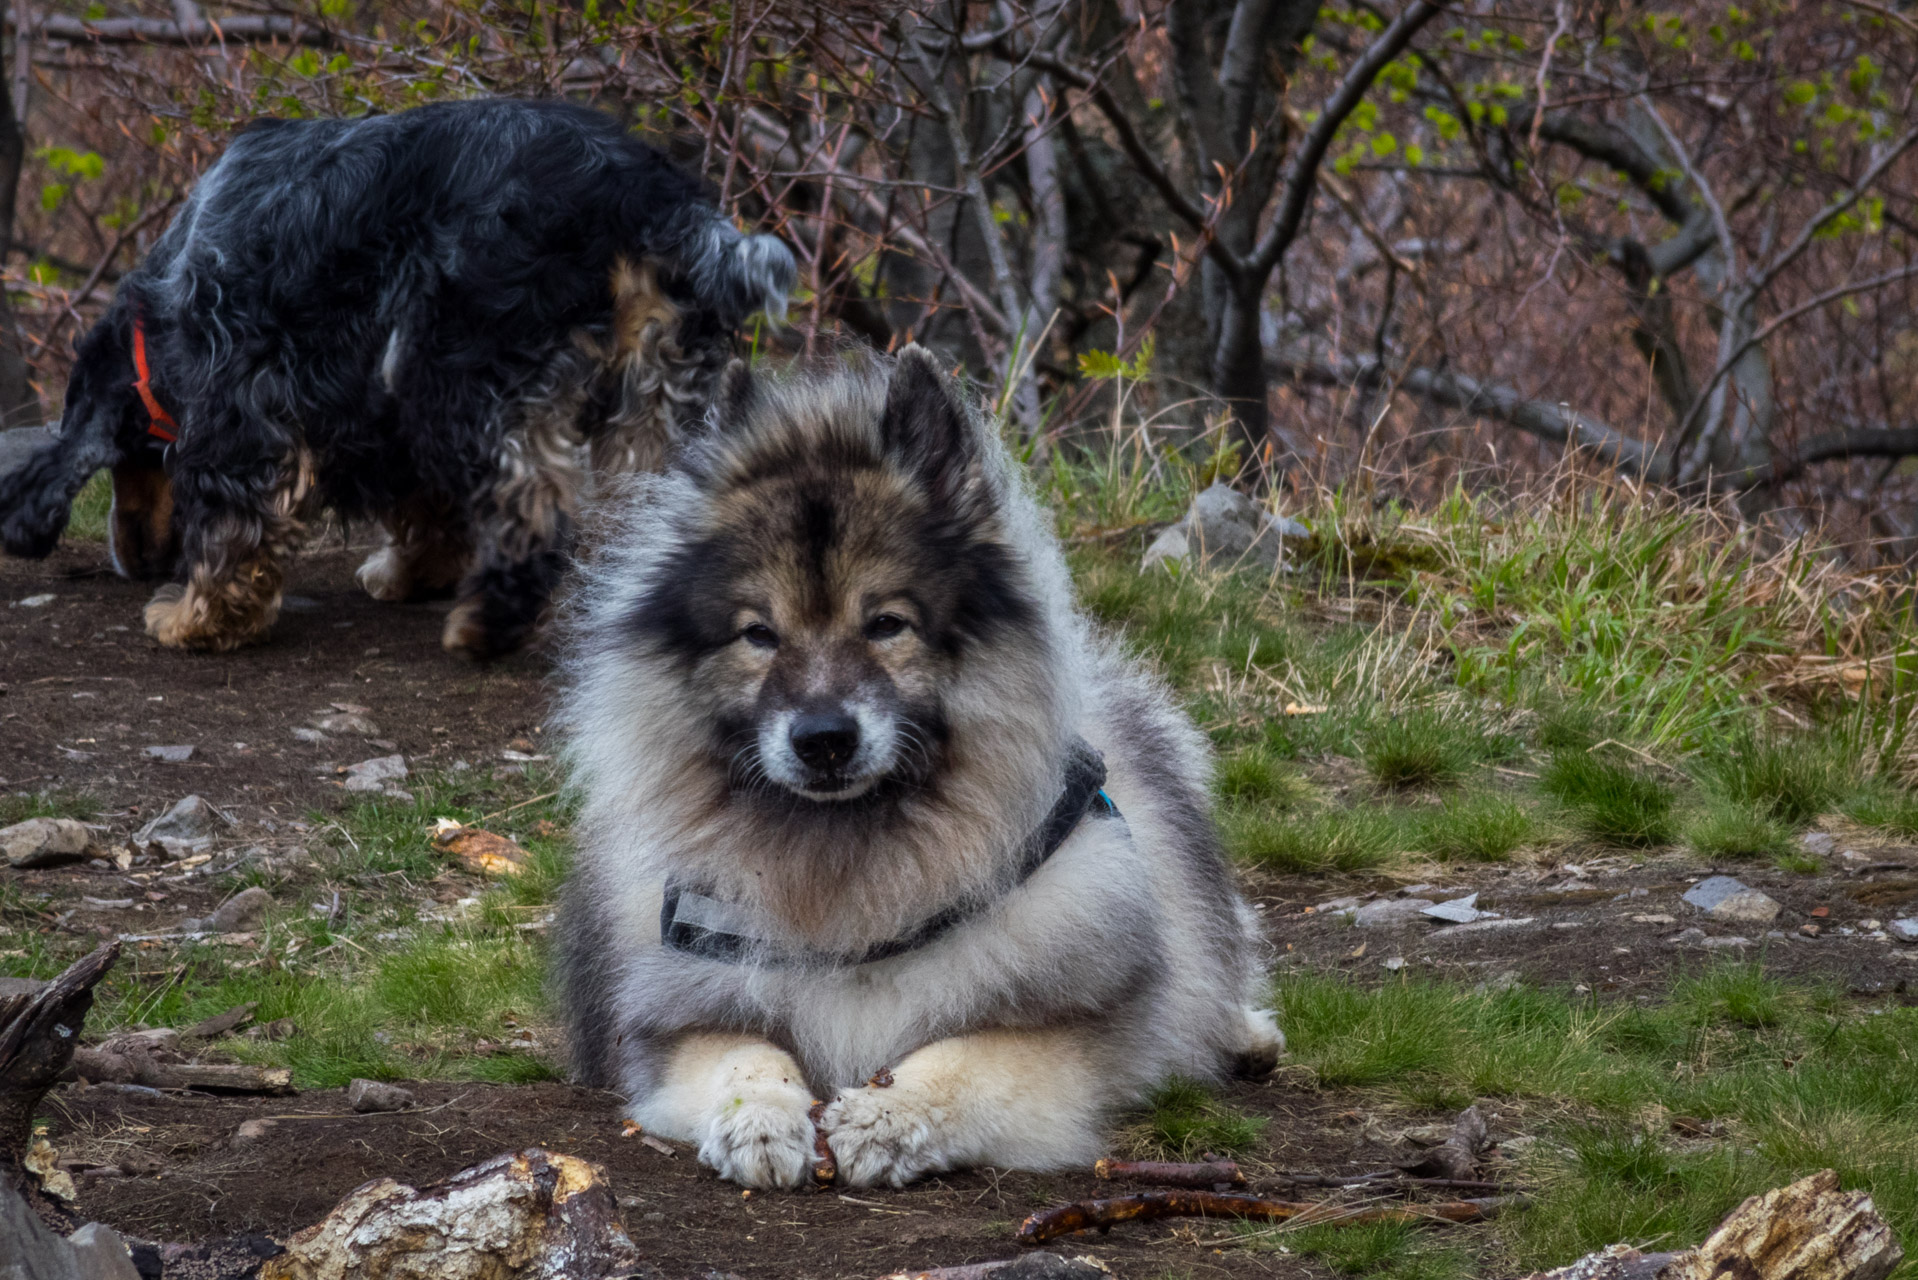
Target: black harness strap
{"type": "Point", "coordinates": [690, 921]}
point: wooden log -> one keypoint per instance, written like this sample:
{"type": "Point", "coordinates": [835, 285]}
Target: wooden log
{"type": "Point", "coordinates": [37, 1038]}
{"type": "Point", "coordinates": [100, 1066]}
{"type": "Point", "coordinates": [529, 1214]}
{"type": "Point", "coordinates": [1809, 1230]}
{"type": "Point", "coordinates": [1086, 1215]}
{"type": "Point", "coordinates": [1205, 1175]}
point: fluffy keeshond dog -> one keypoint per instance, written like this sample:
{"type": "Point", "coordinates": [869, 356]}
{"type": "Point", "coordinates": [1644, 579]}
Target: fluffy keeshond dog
{"type": "Point", "coordinates": [871, 815]}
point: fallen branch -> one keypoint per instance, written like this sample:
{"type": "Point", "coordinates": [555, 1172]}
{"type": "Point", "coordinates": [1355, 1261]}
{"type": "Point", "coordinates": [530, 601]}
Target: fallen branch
{"type": "Point", "coordinates": [1145, 1206]}
{"type": "Point", "coordinates": [252, 29]}
{"type": "Point", "coordinates": [37, 1037]}
{"type": "Point", "coordinates": [99, 1066]}
{"type": "Point", "coordinates": [1205, 1175]}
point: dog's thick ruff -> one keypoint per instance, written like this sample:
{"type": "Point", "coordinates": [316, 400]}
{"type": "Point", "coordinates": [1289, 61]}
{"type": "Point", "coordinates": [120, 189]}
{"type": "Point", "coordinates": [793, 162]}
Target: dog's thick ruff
{"type": "Point", "coordinates": [444, 309]}
{"type": "Point", "coordinates": [859, 551]}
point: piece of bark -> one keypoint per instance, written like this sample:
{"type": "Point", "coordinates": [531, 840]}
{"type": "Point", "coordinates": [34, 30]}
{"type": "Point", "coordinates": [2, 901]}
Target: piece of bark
{"type": "Point", "coordinates": [532, 1215]}
{"type": "Point", "coordinates": [1205, 1174]}
{"type": "Point", "coordinates": [825, 1167]}
{"type": "Point", "coordinates": [1087, 1215]}
{"type": "Point", "coordinates": [1457, 1157]}
{"type": "Point", "coordinates": [479, 850]}
{"type": "Point", "coordinates": [221, 1023]}
{"type": "Point", "coordinates": [37, 1038]}
{"type": "Point", "coordinates": [1809, 1230]}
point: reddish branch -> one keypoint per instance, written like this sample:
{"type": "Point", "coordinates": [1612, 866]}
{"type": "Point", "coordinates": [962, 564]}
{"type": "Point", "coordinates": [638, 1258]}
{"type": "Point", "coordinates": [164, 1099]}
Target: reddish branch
{"type": "Point", "coordinates": [1205, 1174]}
{"type": "Point", "coordinates": [1086, 1215]}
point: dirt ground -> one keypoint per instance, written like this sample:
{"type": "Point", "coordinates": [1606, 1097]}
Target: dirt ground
{"type": "Point", "coordinates": [83, 694]}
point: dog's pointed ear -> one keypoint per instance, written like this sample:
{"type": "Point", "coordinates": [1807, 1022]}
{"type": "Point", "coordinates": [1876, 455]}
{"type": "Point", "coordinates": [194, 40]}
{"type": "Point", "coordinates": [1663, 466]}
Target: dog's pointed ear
{"type": "Point", "coordinates": [927, 429]}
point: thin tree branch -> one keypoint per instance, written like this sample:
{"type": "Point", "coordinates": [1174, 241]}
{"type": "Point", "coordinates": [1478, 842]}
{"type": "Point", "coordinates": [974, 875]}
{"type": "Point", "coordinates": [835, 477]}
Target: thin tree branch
{"type": "Point", "coordinates": [245, 29]}
{"type": "Point", "coordinates": [1301, 169]}
{"type": "Point", "coordinates": [1810, 230]}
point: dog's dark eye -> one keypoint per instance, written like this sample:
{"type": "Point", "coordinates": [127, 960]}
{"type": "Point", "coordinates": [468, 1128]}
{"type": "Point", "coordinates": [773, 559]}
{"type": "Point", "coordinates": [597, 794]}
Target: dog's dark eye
{"type": "Point", "coordinates": [885, 626]}
{"type": "Point", "coordinates": [761, 636]}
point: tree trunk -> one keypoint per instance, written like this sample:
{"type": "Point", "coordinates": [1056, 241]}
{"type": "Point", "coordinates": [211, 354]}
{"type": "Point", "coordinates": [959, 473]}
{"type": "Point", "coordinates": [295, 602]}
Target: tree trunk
{"type": "Point", "coordinates": [1238, 371]}
{"type": "Point", "coordinates": [19, 404]}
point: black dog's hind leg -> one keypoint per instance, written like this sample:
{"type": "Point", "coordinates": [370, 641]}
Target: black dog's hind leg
{"type": "Point", "coordinates": [428, 551]}
{"type": "Point", "coordinates": [526, 523]}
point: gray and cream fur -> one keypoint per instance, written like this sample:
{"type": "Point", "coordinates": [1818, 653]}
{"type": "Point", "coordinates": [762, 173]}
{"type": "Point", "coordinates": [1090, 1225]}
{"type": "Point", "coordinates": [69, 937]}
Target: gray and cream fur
{"type": "Point", "coordinates": [826, 670]}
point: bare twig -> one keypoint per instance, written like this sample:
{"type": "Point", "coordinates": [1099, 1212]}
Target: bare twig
{"type": "Point", "coordinates": [1087, 1215]}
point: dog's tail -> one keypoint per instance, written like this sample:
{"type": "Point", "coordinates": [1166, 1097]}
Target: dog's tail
{"type": "Point", "coordinates": [37, 497]}
{"type": "Point", "coordinates": [736, 273]}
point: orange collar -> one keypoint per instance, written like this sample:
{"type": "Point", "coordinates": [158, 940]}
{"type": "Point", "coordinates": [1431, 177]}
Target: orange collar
{"type": "Point", "coordinates": [160, 423]}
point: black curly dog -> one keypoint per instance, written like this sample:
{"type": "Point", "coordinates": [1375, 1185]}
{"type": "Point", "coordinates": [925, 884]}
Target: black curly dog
{"type": "Point", "coordinates": [445, 319]}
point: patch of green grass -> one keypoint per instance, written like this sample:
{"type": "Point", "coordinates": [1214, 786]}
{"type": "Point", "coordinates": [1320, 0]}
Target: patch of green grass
{"type": "Point", "coordinates": [1335, 840]}
{"type": "Point", "coordinates": [1257, 775]}
{"type": "Point", "coordinates": [1883, 804]}
{"type": "Point", "coordinates": [1475, 827]}
{"type": "Point", "coordinates": [1803, 1079]}
{"type": "Point", "coordinates": [1419, 748]}
{"type": "Point", "coordinates": [92, 507]}
{"type": "Point", "coordinates": [1185, 1121]}
{"type": "Point", "coordinates": [1389, 1250]}
{"type": "Point", "coordinates": [1608, 800]}
{"type": "Point", "coordinates": [1730, 829]}
{"type": "Point", "coordinates": [1790, 780]}
{"type": "Point", "coordinates": [22, 805]}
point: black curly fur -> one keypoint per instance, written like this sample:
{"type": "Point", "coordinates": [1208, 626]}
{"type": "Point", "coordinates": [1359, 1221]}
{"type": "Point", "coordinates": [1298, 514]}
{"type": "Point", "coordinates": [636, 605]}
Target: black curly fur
{"type": "Point", "coordinates": [390, 298]}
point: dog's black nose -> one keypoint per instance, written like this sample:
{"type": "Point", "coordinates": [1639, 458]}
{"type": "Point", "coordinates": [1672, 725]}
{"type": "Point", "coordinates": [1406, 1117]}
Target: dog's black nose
{"type": "Point", "coordinates": [825, 742]}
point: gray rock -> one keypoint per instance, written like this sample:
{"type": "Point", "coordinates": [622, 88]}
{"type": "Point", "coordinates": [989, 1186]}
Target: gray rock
{"type": "Point", "coordinates": [1486, 926]}
{"type": "Point", "coordinates": [375, 774]}
{"type": "Point", "coordinates": [1224, 526]}
{"type": "Point", "coordinates": [21, 987]}
{"type": "Point", "coordinates": [312, 736]}
{"type": "Point", "coordinates": [1818, 842]}
{"type": "Point", "coordinates": [1388, 912]}
{"type": "Point", "coordinates": [1724, 898]}
{"type": "Point", "coordinates": [1905, 930]}
{"type": "Point", "coordinates": [170, 755]}
{"type": "Point", "coordinates": [36, 602]}
{"type": "Point", "coordinates": [252, 1131]}
{"type": "Point", "coordinates": [1687, 938]}
{"type": "Point", "coordinates": [17, 444]}
{"type": "Point", "coordinates": [187, 828]}
{"type": "Point", "coordinates": [102, 1254]}
{"type": "Point", "coordinates": [1456, 911]}
{"type": "Point", "coordinates": [347, 722]}
{"type": "Point", "coordinates": [1340, 904]}
{"type": "Point", "coordinates": [371, 1095]}
{"type": "Point", "coordinates": [241, 912]}
{"type": "Point", "coordinates": [45, 842]}
{"type": "Point", "coordinates": [1719, 944]}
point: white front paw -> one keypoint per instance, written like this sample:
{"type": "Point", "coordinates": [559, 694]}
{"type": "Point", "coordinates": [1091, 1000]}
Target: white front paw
{"type": "Point", "coordinates": [760, 1138]}
{"type": "Point", "coordinates": [883, 1135]}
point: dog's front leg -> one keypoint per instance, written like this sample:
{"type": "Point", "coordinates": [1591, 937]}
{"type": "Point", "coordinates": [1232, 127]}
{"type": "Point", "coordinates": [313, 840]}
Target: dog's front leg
{"type": "Point", "coordinates": [1016, 1099]}
{"type": "Point", "coordinates": [742, 1100]}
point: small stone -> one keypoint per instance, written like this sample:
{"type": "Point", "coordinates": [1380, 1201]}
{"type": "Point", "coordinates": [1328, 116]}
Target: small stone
{"type": "Point", "coordinates": [1225, 527]}
{"type": "Point", "coordinates": [187, 828]}
{"type": "Point", "coordinates": [36, 602]}
{"type": "Point", "coordinates": [1719, 944]}
{"type": "Point", "coordinates": [347, 722]}
{"type": "Point", "coordinates": [374, 774]}
{"type": "Point", "coordinates": [1387, 912]}
{"type": "Point", "coordinates": [1687, 938]}
{"type": "Point", "coordinates": [170, 755]}
{"type": "Point", "coordinates": [45, 842]}
{"type": "Point", "coordinates": [1457, 911]}
{"type": "Point", "coordinates": [1818, 842]}
{"type": "Point", "coordinates": [1394, 963]}
{"type": "Point", "coordinates": [241, 912]}
{"type": "Point", "coordinates": [1340, 904]}
{"type": "Point", "coordinates": [311, 736]}
{"type": "Point", "coordinates": [1654, 917]}
{"type": "Point", "coordinates": [371, 1095]}
{"type": "Point", "coordinates": [1724, 898]}
{"type": "Point", "coordinates": [1905, 930]}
